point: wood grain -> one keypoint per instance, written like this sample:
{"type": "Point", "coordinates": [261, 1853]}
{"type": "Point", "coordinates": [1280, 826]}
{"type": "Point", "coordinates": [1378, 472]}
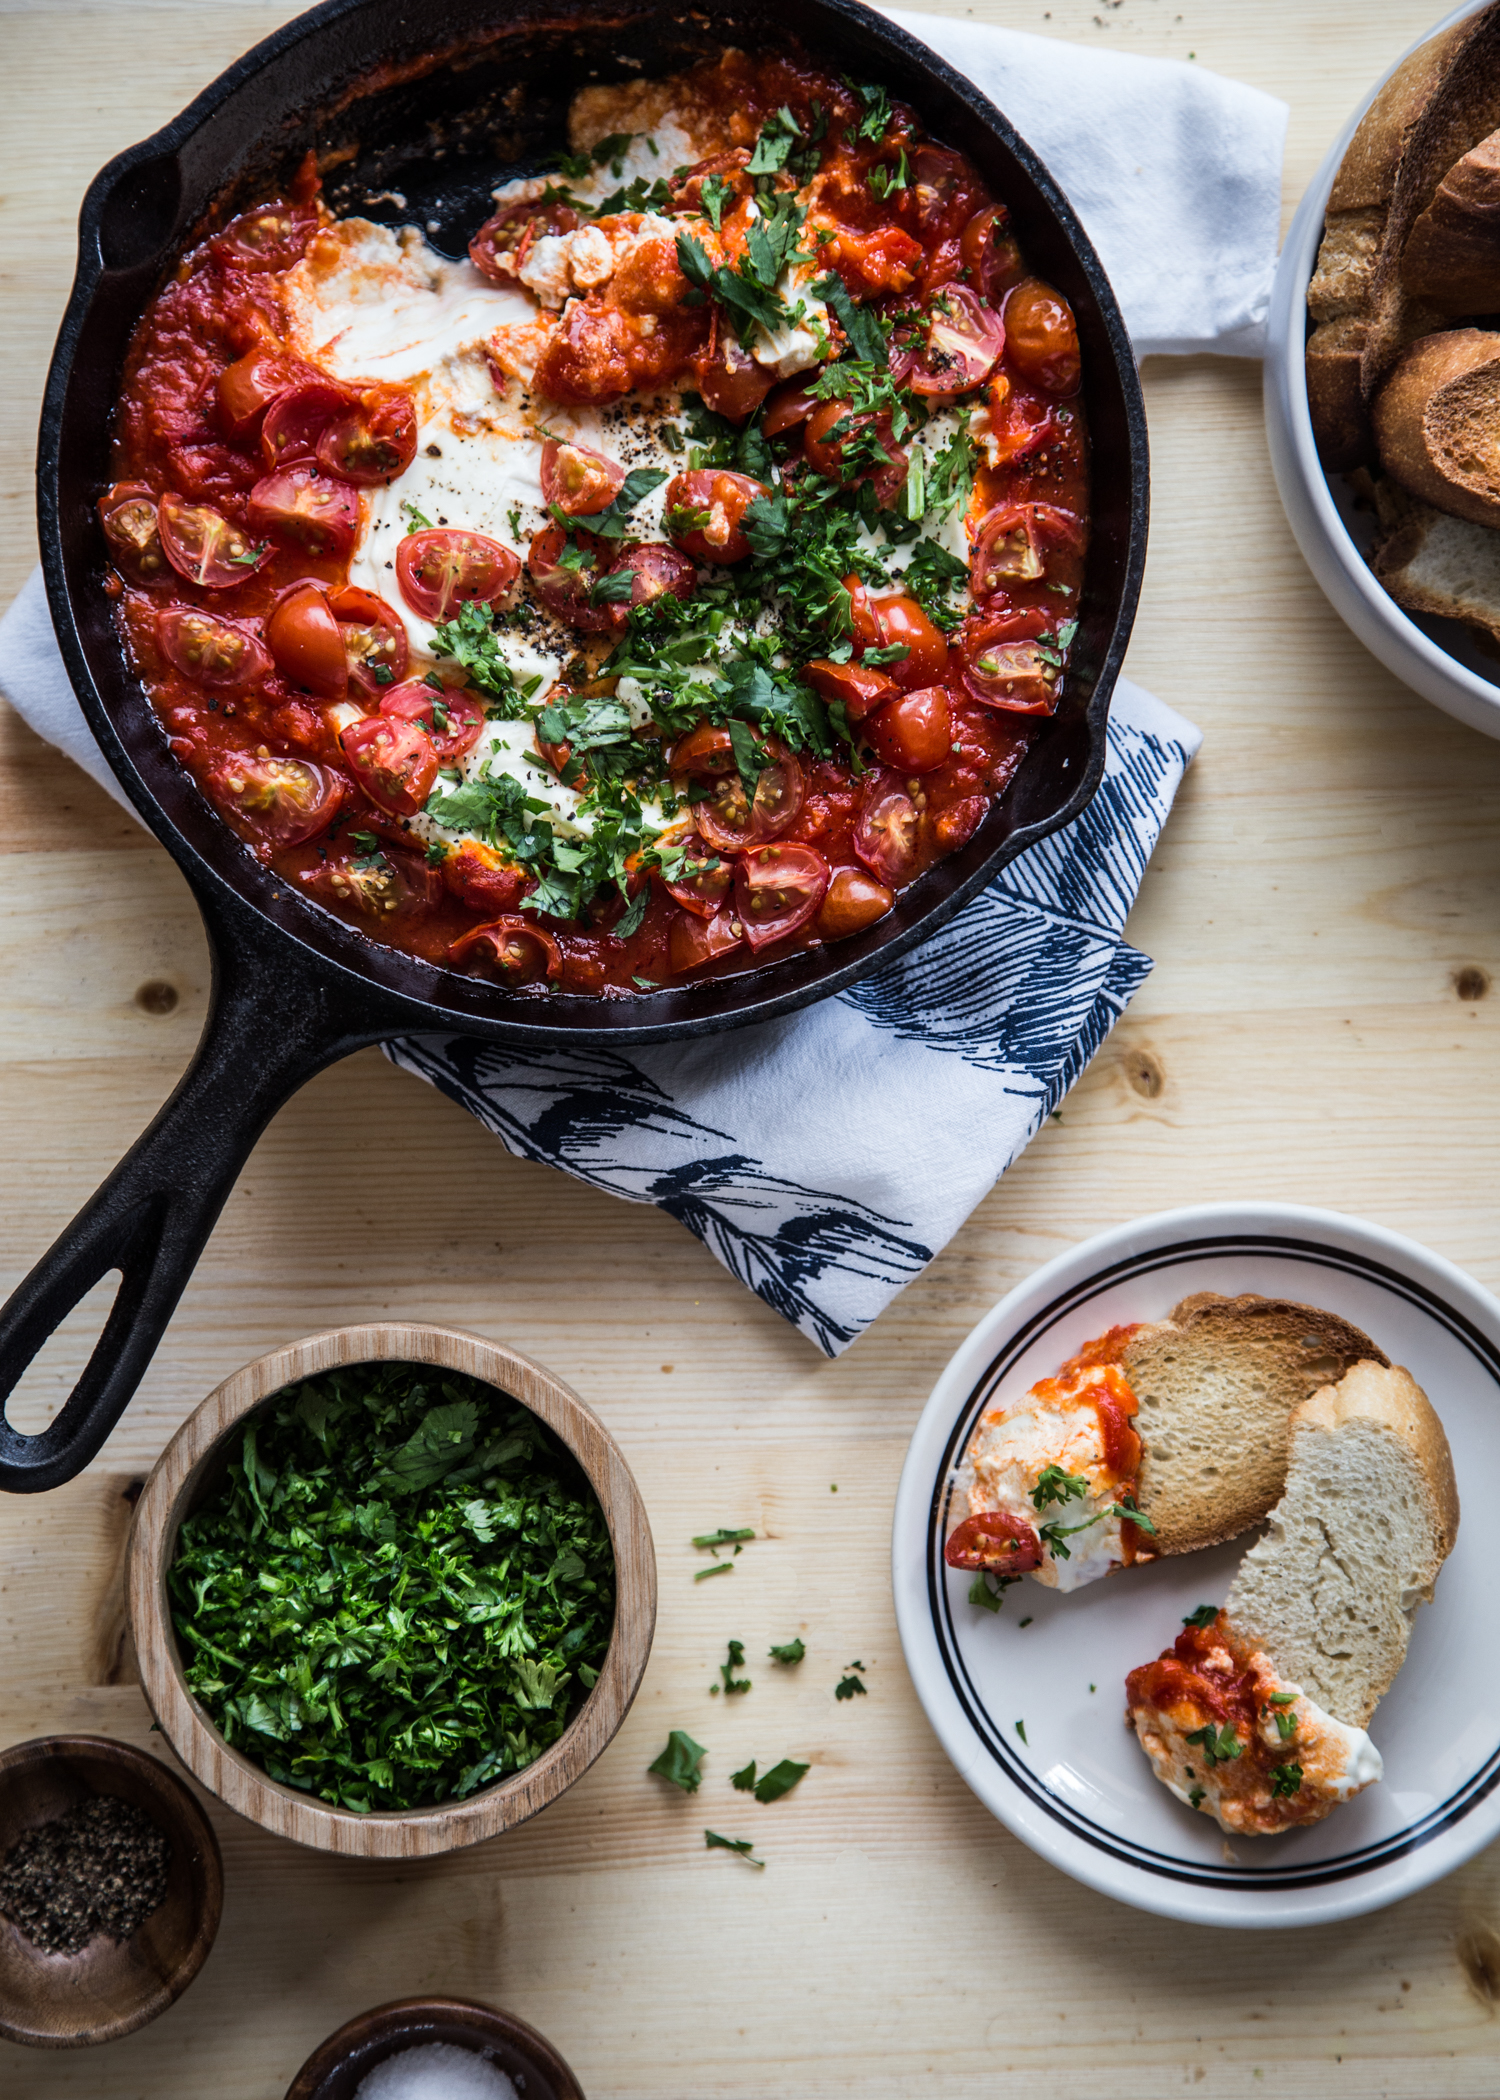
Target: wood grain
{"type": "Point", "coordinates": [192, 1466]}
{"type": "Point", "coordinates": [1322, 905]}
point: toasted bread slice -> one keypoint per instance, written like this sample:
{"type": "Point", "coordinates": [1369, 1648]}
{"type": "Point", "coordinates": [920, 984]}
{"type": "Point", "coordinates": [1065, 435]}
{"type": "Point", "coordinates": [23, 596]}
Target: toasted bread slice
{"type": "Point", "coordinates": [1369, 1516]}
{"type": "Point", "coordinates": [1432, 563]}
{"type": "Point", "coordinates": [1452, 254]}
{"type": "Point", "coordinates": [1436, 422]}
{"type": "Point", "coordinates": [1217, 1384]}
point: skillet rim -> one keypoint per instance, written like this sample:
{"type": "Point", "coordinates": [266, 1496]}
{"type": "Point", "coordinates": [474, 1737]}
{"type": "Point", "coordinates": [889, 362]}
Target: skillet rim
{"type": "Point", "coordinates": [740, 1001]}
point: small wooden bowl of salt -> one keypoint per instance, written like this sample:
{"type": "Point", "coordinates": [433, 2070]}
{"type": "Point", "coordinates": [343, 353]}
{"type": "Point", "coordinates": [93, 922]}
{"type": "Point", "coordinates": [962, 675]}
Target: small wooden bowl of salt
{"type": "Point", "coordinates": [435, 2049]}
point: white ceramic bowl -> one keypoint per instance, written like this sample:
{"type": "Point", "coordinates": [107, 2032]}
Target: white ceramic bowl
{"type": "Point", "coordinates": [1076, 1786]}
{"type": "Point", "coordinates": [1436, 658]}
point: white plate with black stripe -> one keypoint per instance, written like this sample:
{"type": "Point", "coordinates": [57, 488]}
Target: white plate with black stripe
{"type": "Point", "coordinates": [1029, 1702]}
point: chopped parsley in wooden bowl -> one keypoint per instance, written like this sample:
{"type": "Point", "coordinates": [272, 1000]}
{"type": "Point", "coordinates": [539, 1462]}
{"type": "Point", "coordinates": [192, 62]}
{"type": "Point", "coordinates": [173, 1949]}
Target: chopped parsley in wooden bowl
{"type": "Point", "coordinates": [392, 1589]}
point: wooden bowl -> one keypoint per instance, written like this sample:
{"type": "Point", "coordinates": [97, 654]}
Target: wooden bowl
{"type": "Point", "coordinates": [333, 2072]}
{"type": "Point", "coordinates": [67, 2001]}
{"type": "Point", "coordinates": [192, 1466]}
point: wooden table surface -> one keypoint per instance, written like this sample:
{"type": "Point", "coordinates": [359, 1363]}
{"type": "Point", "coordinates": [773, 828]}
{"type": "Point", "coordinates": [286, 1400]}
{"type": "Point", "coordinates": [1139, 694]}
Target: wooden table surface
{"type": "Point", "coordinates": [1319, 1028]}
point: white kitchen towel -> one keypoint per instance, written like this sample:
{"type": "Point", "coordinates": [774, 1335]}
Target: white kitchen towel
{"type": "Point", "coordinates": [826, 1158]}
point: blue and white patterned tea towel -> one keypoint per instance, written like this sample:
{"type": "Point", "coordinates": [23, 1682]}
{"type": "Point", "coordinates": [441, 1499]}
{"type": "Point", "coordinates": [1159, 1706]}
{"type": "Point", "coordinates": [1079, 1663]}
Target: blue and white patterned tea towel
{"type": "Point", "coordinates": [826, 1158]}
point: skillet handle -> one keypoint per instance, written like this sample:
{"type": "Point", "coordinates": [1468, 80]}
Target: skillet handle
{"type": "Point", "coordinates": [272, 1024]}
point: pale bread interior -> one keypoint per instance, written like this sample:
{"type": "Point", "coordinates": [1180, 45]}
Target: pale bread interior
{"type": "Point", "coordinates": [1355, 1544]}
{"type": "Point", "coordinates": [1217, 1385]}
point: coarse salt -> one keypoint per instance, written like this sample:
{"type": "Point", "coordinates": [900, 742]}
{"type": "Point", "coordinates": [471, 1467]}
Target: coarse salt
{"type": "Point", "coordinates": [436, 2071]}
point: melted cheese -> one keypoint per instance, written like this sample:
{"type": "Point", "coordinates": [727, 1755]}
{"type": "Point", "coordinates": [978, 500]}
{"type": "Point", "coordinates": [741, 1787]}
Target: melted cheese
{"type": "Point", "coordinates": [1012, 1448]}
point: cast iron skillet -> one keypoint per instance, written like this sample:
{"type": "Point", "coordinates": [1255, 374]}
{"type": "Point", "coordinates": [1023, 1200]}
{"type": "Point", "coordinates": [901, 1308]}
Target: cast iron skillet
{"type": "Point", "coordinates": [293, 989]}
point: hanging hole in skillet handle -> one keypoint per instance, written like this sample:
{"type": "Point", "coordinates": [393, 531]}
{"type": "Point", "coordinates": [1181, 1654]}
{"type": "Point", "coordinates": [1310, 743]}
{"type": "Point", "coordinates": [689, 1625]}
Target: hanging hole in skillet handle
{"type": "Point", "coordinates": [137, 216]}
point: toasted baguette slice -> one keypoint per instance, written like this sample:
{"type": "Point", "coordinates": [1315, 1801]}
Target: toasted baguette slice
{"type": "Point", "coordinates": [1452, 254]}
{"type": "Point", "coordinates": [1217, 1384]}
{"type": "Point", "coordinates": [1437, 419]}
{"type": "Point", "coordinates": [1369, 1516]}
{"type": "Point", "coordinates": [1437, 564]}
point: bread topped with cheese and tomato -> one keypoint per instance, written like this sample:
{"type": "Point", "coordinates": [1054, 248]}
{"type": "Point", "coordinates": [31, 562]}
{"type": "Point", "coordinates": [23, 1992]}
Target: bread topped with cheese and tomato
{"type": "Point", "coordinates": [1159, 1437]}
{"type": "Point", "coordinates": [1257, 1714]}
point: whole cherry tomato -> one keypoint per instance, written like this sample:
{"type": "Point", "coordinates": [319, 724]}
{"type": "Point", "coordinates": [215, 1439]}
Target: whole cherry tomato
{"type": "Point", "coordinates": [789, 405]}
{"type": "Point", "coordinates": [705, 512]}
{"type": "Point", "coordinates": [579, 481]}
{"type": "Point", "coordinates": [509, 950]}
{"type": "Point", "coordinates": [731, 383]}
{"type": "Point", "coordinates": [897, 622]}
{"type": "Point", "coordinates": [777, 889]}
{"type": "Point", "coordinates": [393, 761]}
{"type": "Point", "coordinates": [859, 688]}
{"type": "Point", "coordinates": [913, 733]}
{"type": "Point", "coordinates": [854, 901]}
{"type": "Point", "coordinates": [439, 570]}
{"type": "Point", "coordinates": [203, 546]}
{"type": "Point", "coordinates": [219, 654]}
{"type": "Point", "coordinates": [305, 640]}
{"type": "Point", "coordinates": [1042, 337]}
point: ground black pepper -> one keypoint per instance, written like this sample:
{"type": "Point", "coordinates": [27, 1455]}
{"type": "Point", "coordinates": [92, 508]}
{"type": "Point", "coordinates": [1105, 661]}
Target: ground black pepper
{"type": "Point", "coordinates": [102, 1867]}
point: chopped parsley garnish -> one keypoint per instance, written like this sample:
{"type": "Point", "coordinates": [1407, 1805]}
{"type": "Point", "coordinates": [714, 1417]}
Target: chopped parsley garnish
{"type": "Point", "coordinates": [1286, 1780]}
{"type": "Point", "coordinates": [720, 1567]}
{"type": "Point", "coordinates": [724, 1536]}
{"type": "Point", "coordinates": [415, 520]}
{"type": "Point", "coordinates": [1203, 1617]}
{"type": "Point", "coordinates": [639, 195]}
{"type": "Point", "coordinates": [743, 1846]}
{"type": "Point", "coordinates": [1220, 1746]}
{"type": "Point", "coordinates": [680, 1761]}
{"type": "Point", "coordinates": [849, 1686]}
{"type": "Point", "coordinates": [743, 1781]}
{"type": "Point", "coordinates": [733, 1684]}
{"type": "Point", "coordinates": [614, 523]}
{"type": "Point", "coordinates": [716, 193]}
{"type": "Point", "coordinates": [1195, 1795]}
{"type": "Point", "coordinates": [780, 1780]}
{"type": "Point", "coordinates": [1021, 1732]}
{"type": "Point", "coordinates": [989, 1599]}
{"type": "Point", "coordinates": [886, 181]}
{"type": "Point", "coordinates": [789, 1652]}
{"type": "Point", "coordinates": [472, 641]}
{"type": "Point", "coordinates": [1056, 1484]}
{"type": "Point", "coordinates": [401, 1591]}
{"type": "Point", "coordinates": [875, 102]}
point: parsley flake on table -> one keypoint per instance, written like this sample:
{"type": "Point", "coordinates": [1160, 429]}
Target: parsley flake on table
{"type": "Point", "coordinates": [679, 1762]}
{"type": "Point", "coordinates": [401, 1592]}
{"type": "Point", "coordinates": [780, 1780]}
{"type": "Point", "coordinates": [789, 1652]}
{"type": "Point", "coordinates": [849, 1686]}
{"type": "Point", "coordinates": [743, 1846]}
{"type": "Point", "coordinates": [733, 1684]}
{"type": "Point", "coordinates": [743, 1781]}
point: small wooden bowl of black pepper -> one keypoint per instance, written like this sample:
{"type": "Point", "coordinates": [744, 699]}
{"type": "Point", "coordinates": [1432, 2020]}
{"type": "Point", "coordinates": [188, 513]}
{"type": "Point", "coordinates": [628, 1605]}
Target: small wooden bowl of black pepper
{"type": "Point", "coordinates": [111, 1889]}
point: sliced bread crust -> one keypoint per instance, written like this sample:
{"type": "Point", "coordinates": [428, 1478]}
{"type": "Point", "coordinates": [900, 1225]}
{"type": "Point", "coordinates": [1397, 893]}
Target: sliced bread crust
{"type": "Point", "coordinates": [1217, 1385]}
{"type": "Point", "coordinates": [1355, 1544]}
{"type": "Point", "coordinates": [1435, 420]}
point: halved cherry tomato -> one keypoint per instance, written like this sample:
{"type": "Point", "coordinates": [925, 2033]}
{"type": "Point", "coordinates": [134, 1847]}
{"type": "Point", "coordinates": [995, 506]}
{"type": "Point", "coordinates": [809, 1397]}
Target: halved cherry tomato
{"type": "Point", "coordinates": [1020, 421]}
{"type": "Point", "coordinates": [996, 1540]}
{"type": "Point", "coordinates": [692, 942]}
{"type": "Point", "coordinates": [854, 901]}
{"type": "Point", "coordinates": [731, 382]}
{"type": "Point", "coordinates": [437, 571]}
{"type": "Point", "coordinates": [964, 343]}
{"type": "Point", "coordinates": [510, 950]}
{"type": "Point", "coordinates": [915, 732]}
{"type": "Point", "coordinates": [942, 190]}
{"type": "Point", "coordinates": [956, 825]}
{"type": "Point", "coordinates": [730, 821]}
{"type": "Point", "coordinates": [452, 718]}
{"type": "Point", "coordinates": [277, 801]}
{"type": "Point", "coordinates": [247, 388]}
{"type": "Point", "coordinates": [383, 886]}
{"type": "Point", "coordinates": [861, 688]}
{"type": "Point", "coordinates": [373, 440]}
{"type": "Point", "coordinates": [566, 592]}
{"type": "Point", "coordinates": [374, 637]}
{"type": "Point", "coordinates": [271, 237]}
{"type": "Point", "coordinates": [305, 640]}
{"type": "Point", "coordinates": [320, 514]}
{"type": "Point", "coordinates": [776, 890]}
{"type": "Point", "coordinates": [705, 513]}
{"type": "Point", "coordinates": [990, 253]}
{"type": "Point", "coordinates": [296, 420]}
{"type": "Point", "coordinates": [656, 571]}
{"type": "Point", "coordinates": [393, 761]}
{"type": "Point", "coordinates": [502, 244]}
{"type": "Point", "coordinates": [203, 546]}
{"type": "Point", "coordinates": [128, 514]}
{"type": "Point", "coordinates": [1018, 677]}
{"type": "Point", "coordinates": [579, 481]}
{"type": "Point", "coordinates": [789, 405]}
{"type": "Point", "coordinates": [1042, 337]}
{"type": "Point", "coordinates": [1014, 542]}
{"type": "Point", "coordinates": [219, 654]}
{"type": "Point", "coordinates": [704, 753]}
{"type": "Point", "coordinates": [703, 877]}
{"type": "Point", "coordinates": [888, 830]}
{"type": "Point", "coordinates": [897, 622]}
{"type": "Point", "coordinates": [843, 446]}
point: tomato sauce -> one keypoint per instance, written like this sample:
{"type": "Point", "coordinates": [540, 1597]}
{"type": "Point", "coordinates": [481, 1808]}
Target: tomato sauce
{"type": "Point", "coordinates": [239, 471]}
